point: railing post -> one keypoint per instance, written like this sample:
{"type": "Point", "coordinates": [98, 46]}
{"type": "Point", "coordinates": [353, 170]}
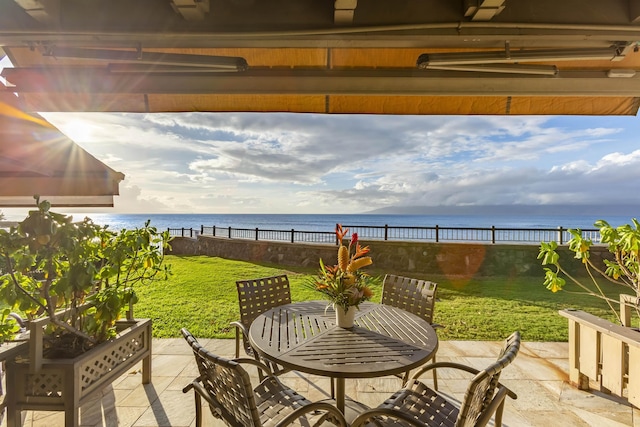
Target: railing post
{"type": "Point", "coordinates": [201, 228]}
{"type": "Point", "coordinates": [437, 233]}
{"type": "Point", "coordinates": [560, 233]}
{"type": "Point", "coordinates": [182, 235]}
{"type": "Point", "coordinates": [386, 231]}
{"type": "Point", "coordinates": [493, 234]}
{"type": "Point", "coordinates": [214, 231]}
{"type": "Point", "coordinates": [191, 232]}
{"type": "Point", "coordinates": [256, 233]}
{"type": "Point", "coordinates": [292, 234]}
{"type": "Point", "coordinates": [229, 231]}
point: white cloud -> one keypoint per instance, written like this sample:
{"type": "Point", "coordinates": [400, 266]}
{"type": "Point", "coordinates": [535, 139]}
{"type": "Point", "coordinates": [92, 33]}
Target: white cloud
{"type": "Point", "coordinates": [620, 159]}
{"type": "Point", "coordinates": [282, 163]}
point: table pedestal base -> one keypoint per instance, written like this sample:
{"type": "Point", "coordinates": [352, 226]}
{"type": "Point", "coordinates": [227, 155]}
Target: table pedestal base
{"type": "Point", "coordinates": [351, 409]}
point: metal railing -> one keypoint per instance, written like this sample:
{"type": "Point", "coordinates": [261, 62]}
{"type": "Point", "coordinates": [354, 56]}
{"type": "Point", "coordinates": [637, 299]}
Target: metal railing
{"type": "Point", "coordinates": [367, 232]}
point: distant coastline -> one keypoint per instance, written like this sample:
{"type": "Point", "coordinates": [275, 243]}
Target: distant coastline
{"type": "Point", "coordinates": [327, 222]}
{"type": "Point", "coordinates": [632, 211]}
{"type": "Point", "coordinates": [501, 216]}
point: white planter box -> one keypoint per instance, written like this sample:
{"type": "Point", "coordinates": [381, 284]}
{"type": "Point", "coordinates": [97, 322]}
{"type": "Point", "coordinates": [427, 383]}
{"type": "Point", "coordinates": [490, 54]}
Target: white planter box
{"type": "Point", "coordinates": [603, 353]}
{"type": "Point", "coordinates": [65, 384]}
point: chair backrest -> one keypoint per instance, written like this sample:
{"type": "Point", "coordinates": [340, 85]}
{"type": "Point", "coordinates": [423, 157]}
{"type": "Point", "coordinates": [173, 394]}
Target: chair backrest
{"type": "Point", "coordinates": [482, 388]}
{"type": "Point", "coordinates": [227, 384]}
{"type": "Point", "coordinates": [412, 295]}
{"type": "Point", "coordinates": [255, 296]}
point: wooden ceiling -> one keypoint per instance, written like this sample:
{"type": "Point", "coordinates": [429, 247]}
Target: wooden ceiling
{"type": "Point", "coordinates": [320, 56]}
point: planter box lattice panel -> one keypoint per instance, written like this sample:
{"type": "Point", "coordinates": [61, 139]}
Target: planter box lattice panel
{"type": "Point", "coordinates": [105, 361]}
{"type": "Point", "coordinates": [65, 384]}
{"type": "Point", "coordinates": [44, 385]}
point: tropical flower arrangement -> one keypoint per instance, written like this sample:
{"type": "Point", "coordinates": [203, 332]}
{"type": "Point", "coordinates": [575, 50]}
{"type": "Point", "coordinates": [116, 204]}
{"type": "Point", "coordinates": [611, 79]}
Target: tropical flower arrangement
{"type": "Point", "coordinates": [344, 284]}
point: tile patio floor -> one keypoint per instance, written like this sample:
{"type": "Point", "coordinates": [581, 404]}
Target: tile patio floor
{"type": "Point", "coordinates": [538, 376]}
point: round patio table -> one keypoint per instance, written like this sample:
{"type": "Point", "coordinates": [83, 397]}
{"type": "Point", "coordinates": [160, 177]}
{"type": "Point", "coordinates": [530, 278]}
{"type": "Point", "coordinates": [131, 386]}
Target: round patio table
{"type": "Point", "coordinates": [304, 337]}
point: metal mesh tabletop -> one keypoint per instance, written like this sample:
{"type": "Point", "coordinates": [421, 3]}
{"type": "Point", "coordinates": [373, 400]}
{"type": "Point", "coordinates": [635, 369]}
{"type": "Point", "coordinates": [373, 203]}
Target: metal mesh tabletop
{"type": "Point", "coordinates": [304, 336]}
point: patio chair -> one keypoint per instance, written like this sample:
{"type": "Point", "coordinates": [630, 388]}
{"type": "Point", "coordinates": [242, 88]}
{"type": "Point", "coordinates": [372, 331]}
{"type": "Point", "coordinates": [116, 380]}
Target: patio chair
{"type": "Point", "coordinates": [415, 296]}
{"type": "Point", "coordinates": [255, 296]}
{"type": "Point", "coordinates": [225, 385]}
{"type": "Point", "coordinates": [418, 405]}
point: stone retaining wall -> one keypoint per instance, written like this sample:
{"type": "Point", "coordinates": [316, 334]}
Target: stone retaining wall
{"type": "Point", "coordinates": [451, 259]}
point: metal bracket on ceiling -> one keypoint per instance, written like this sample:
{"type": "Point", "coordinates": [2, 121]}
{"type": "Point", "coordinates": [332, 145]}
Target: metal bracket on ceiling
{"type": "Point", "coordinates": [130, 60]}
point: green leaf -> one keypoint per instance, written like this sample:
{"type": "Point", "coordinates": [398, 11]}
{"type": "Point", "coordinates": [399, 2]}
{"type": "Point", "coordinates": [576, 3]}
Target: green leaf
{"type": "Point", "coordinates": [552, 281]}
{"type": "Point", "coordinates": [548, 253]}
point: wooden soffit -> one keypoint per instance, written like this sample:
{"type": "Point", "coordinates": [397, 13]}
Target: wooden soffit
{"type": "Point", "coordinates": [320, 57]}
{"type": "Point", "coordinates": [37, 159]}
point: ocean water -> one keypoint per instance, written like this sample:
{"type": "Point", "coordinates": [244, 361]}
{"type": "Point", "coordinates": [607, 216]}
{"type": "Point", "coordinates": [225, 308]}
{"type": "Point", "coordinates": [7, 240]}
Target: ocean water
{"type": "Point", "coordinates": [304, 222]}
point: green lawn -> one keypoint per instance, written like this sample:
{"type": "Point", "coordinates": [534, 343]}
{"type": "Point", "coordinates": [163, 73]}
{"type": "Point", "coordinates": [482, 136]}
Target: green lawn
{"type": "Point", "coordinates": [201, 295]}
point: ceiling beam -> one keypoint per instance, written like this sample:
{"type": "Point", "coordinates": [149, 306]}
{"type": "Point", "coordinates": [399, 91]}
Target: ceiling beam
{"type": "Point", "coordinates": [43, 11]}
{"type": "Point", "coordinates": [191, 10]}
{"type": "Point", "coordinates": [470, 35]}
{"type": "Point", "coordinates": [325, 82]}
{"type": "Point", "coordinates": [482, 10]}
{"type": "Point", "coordinates": [344, 11]}
{"type": "Point", "coordinates": [634, 11]}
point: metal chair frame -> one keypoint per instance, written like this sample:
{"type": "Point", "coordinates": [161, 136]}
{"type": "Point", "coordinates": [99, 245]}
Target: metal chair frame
{"type": "Point", "coordinates": [255, 296]}
{"type": "Point", "coordinates": [419, 406]}
{"type": "Point", "coordinates": [226, 386]}
{"type": "Point", "coordinates": [415, 296]}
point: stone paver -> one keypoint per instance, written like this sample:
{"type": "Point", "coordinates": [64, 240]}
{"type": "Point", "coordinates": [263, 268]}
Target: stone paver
{"type": "Point", "coordinates": [538, 375]}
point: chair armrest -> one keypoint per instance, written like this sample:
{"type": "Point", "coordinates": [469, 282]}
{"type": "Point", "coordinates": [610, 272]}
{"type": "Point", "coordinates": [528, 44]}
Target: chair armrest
{"type": "Point", "coordinates": [496, 406]}
{"type": "Point", "coordinates": [437, 365]}
{"type": "Point", "coordinates": [459, 366]}
{"type": "Point", "coordinates": [196, 385]}
{"type": "Point", "coordinates": [331, 412]}
{"type": "Point", "coordinates": [257, 363]}
{"type": "Point", "coordinates": [388, 412]}
{"type": "Point", "coordinates": [240, 326]}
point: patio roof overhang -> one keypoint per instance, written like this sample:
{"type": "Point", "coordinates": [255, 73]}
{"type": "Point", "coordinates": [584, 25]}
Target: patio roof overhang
{"type": "Point", "coordinates": [340, 56]}
{"type": "Point", "coordinates": [37, 159]}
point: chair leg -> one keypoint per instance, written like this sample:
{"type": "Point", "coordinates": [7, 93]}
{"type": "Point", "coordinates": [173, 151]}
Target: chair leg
{"type": "Point", "coordinates": [498, 415]}
{"type": "Point", "coordinates": [237, 343]}
{"type": "Point", "coordinates": [405, 378]}
{"type": "Point", "coordinates": [198, 409]}
{"type": "Point", "coordinates": [333, 388]}
{"type": "Point", "coordinates": [435, 375]}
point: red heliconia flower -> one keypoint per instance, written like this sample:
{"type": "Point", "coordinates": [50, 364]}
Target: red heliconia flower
{"type": "Point", "coordinates": [360, 251]}
{"type": "Point", "coordinates": [340, 233]}
{"type": "Point", "coordinates": [354, 240]}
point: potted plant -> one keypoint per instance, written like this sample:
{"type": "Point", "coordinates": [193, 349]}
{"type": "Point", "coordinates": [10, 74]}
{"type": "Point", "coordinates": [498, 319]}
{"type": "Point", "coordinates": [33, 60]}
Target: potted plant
{"type": "Point", "coordinates": [74, 283]}
{"type": "Point", "coordinates": [623, 267]}
{"type": "Point", "coordinates": [600, 351]}
{"type": "Point", "coordinates": [344, 284]}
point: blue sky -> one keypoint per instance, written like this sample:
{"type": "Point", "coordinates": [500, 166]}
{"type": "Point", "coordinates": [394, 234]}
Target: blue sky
{"type": "Point", "coordinates": [299, 163]}
{"type": "Point", "coordinates": [304, 163]}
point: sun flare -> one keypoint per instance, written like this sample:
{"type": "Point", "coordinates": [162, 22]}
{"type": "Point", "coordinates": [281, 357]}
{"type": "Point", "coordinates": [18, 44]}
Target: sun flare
{"type": "Point", "coordinates": [79, 130]}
